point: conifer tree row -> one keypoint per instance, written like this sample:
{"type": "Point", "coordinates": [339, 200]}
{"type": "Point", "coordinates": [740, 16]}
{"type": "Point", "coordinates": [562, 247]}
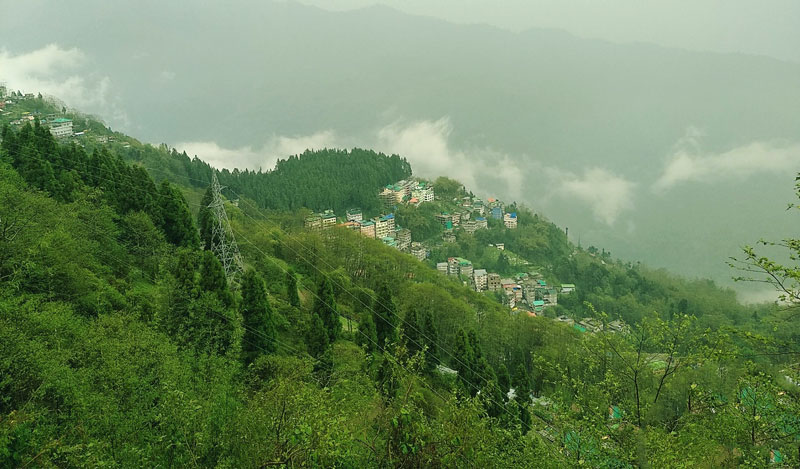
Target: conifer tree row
{"type": "Point", "coordinates": [316, 179]}
{"type": "Point", "coordinates": [65, 171]}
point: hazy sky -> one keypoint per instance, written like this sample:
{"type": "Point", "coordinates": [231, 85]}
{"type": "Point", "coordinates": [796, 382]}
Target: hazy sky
{"type": "Point", "coordinates": [765, 27]}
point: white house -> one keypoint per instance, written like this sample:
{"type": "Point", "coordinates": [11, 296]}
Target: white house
{"type": "Point", "coordinates": [61, 127]}
{"type": "Point", "coordinates": [510, 220]}
{"type": "Point", "coordinates": [481, 279]}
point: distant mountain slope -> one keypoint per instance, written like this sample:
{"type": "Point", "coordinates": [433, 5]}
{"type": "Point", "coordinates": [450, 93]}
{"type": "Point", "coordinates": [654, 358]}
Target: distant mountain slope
{"type": "Point", "coordinates": [551, 104]}
{"type": "Point", "coordinates": [294, 69]}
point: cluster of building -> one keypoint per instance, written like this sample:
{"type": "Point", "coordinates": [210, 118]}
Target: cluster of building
{"type": "Point", "coordinates": [408, 191]}
{"type": "Point", "coordinates": [60, 127]}
{"type": "Point", "coordinates": [526, 290]}
{"type": "Point", "coordinates": [382, 227]}
{"type": "Point", "coordinates": [473, 215]}
{"type": "Point", "coordinates": [530, 291]}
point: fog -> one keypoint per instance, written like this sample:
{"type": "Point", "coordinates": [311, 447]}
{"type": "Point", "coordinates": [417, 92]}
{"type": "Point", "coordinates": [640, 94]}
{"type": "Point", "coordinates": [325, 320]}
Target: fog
{"type": "Point", "coordinates": [766, 27]}
{"type": "Point", "coordinates": [667, 134]}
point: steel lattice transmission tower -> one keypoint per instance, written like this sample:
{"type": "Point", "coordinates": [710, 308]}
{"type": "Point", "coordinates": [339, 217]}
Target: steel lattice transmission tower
{"type": "Point", "coordinates": [223, 243]}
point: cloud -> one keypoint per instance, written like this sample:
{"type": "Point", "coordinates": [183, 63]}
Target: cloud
{"type": "Point", "coordinates": [766, 295]}
{"type": "Point", "coordinates": [607, 194]}
{"type": "Point", "coordinates": [425, 144]}
{"type": "Point", "coordinates": [264, 157]}
{"type": "Point", "coordinates": [62, 73]}
{"type": "Point", "coordinates": [688, 163]}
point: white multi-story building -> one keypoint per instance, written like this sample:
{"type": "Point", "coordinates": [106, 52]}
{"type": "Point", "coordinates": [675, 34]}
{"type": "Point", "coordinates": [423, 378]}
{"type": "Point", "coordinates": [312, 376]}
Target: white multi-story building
{"type": "Point", "coordinates": [403, 237]}
{"type": "Point", "coordinates": [481, 279]}
{"type": "Point", "coordinates": [459, 266]}
{"type": "Point", "coordinates": [328, 219]}
{"type": "Point", "coordinates": [423, 192]}
{"type": "Point", "coordinates": [470, 226]}
{"type": "Point", "coordinates": [452, 266]}
{"type": "Point", "coordinates": [368, 229]}
{"type": "Point", "coordinates": [510, 220]}
{"type": "Point", "coordinates": [442, 267]}
{"type": "Point", "coordinates": [418, 250]}
{"type": "Point", "coordinates": [354, 214]}
{"type": "Point", "coordinates": [61, 127]}
{"type": "Point", "coordinates": [384, 226]}
{"type": "Point", "coordinates": [313, 222]}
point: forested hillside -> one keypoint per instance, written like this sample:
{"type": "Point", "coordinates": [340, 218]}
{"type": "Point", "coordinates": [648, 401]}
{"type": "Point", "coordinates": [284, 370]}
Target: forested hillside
{"type": "Point", "coordinates": [122, 343]}
{"type": "Point", "coordinates": [317, 180]}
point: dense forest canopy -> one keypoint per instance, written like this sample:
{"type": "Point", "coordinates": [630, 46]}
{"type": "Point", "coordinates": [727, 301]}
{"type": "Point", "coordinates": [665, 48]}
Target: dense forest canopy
{"type": "Point", "coordinates": [122, 343]}
{"type": "Point", "coordinates": [318, 180]}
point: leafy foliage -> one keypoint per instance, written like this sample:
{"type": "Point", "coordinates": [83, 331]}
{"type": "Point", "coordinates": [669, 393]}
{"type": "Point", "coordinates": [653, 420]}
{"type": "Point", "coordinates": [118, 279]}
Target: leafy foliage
{"type": "Point", "coordinates": [122, 345]}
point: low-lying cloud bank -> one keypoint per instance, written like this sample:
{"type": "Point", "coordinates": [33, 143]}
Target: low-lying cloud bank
{"type": "Point", "coordinates": [688, 163]}
{"type": "Point", "coordinates": [64, 74]}
{"type": "Point", "coordinates": [426, 144]}
{"type": "Point", "coordinates": [609, 195]}
{"type": "Point", "coordinates": [263, 158]}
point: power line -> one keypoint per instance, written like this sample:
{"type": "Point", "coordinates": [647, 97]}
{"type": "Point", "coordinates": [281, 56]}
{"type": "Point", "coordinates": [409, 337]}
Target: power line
{"type": "Point", "coordinates": [466, 366]}
{"type": "Point", "coordinates": [330, 267]}
{"type": "Point", "coordinates": [223, 242]}
{"type": "Point", "coordinates": [388, 355]}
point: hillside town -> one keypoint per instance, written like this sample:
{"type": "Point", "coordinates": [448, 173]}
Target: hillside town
{"type": "Point", "coordinates": [18, 109]}
{"type": "Point", "coordinates": [526, 291]}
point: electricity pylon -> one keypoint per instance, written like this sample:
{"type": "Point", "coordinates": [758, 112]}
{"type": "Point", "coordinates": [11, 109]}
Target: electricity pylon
{"type": "Point", "coordinates": [223, 243]}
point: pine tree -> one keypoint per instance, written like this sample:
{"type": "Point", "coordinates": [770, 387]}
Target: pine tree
{"type": "Point", "coordinates": [367, 336]}
{"type": "Point", "coordinates": [521, 382]}
{"type": "Point", "coordinates": [492, 398]}
{"type": "Point", "coordinates": [183, 293]}
{"type": "Point", "coordinates": [476, 346]}
{"type": "Point", "coordinates": [503, 379]}
{"type": "Point", "coordinates": [317, 336]}
{"type": "Point", "coordinates": [385, 317]}
{"type": "Point", "coordinates": [210, 325]}
{"type": "Point", "coordinates": [432, 341]}
{"type": "Point", "coordinates": [205, 219]}
{"type": "Point", "coordinates": [325, 308]}
{"type": "Point", "coordinates": [212, 278]}
{"type": "Point", "coordinates": [177, 222]}
{"type": "Point", "coordinates": [291, 288]}
{"type": "Point", "coordinates": [387, 379]}
{"type": "Point", "coordinates": [524, 417]}
{"type": "Point", "coordinates": [464, 354]}
{"type": "Point", "coordinates": [411, 332]}
{"type": "Point", "coordinates": [259, 329]}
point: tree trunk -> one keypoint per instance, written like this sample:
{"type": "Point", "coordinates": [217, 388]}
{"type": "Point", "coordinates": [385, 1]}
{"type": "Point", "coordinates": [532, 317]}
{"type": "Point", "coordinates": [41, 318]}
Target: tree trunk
{"type": "Point", "coordinates": [638, 402]}
{"type": "Point", "coordinates": [663, 377]}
